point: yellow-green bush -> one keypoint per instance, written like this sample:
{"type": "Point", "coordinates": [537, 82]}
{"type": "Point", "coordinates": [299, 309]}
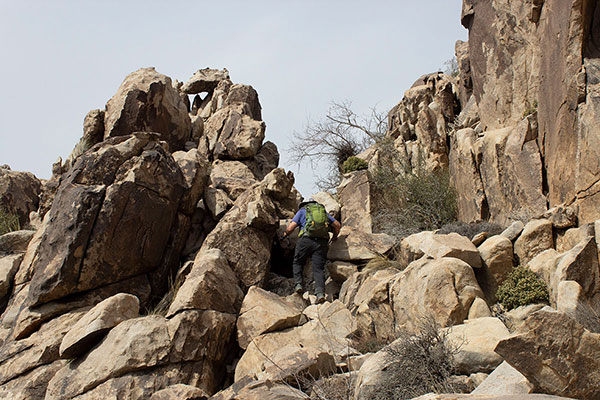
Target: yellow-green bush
{"type": "Point", "coordinates": [522, 287]}
{"type": "Point", "coordinates": [354, 164]}
{"type": "Point", "coordinates": [8, 221]}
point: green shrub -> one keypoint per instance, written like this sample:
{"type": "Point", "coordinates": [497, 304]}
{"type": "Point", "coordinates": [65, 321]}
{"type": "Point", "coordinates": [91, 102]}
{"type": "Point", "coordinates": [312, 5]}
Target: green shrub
{"type": "Point", "coordinates": [522, 287]}
{"type": "Point", "coordinates": [9, 222]}
{"type": "Point", "coordinates": [413, 201]}
{"type": "Point", "coordinates": [354, 163]}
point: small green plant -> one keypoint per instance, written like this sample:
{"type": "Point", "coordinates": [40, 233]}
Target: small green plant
{"type": "Point", "coordinates": [354, 163]}
{"type": "Point", "coordinates": [9, 222]}
{"type": "Point", "coordinates": [522, 287]}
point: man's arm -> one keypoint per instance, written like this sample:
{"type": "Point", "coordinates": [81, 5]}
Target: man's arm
{"type": "Point", "coordinates": [336, 229]}
{"type": "Point", "coordinates": [290, 228]}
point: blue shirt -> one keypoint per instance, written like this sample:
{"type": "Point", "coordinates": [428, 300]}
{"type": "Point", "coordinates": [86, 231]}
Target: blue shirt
{"type": "Point", "coordinates": [300, 218]}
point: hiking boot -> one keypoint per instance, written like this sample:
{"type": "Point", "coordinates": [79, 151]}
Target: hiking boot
{"type": "Point", "coordinates": [320, 298]}
{"type": "Point", "coordinates": [298, 288]}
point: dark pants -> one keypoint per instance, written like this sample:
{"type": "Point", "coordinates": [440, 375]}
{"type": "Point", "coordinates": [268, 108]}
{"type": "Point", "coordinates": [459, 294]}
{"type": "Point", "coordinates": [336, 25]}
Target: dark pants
{"type": "Point", "coordinates": [317, 250]}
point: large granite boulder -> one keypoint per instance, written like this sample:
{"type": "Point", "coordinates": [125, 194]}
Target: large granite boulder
{"type": "Point", "coordinates": [556, 354]}
{"type": "Point", "coordinates": [19, 193]}
{"type": "Point", "coordinates": [111, 220]}
{"type": "Point", "coordinates": [433, 245]}
{"type": "Point", "coordinates": [354, 194]}
{"type": "Point", "coordinates": [233, 177]}
{"type": "Point", "coordinates": [204, 80]}
{"type": "Point", "coordinates": [443, 289]}
{"type": "Point", "coordinates": [356, 245]}
{"type": "Point", "coordinates": [535, 238]}
{"type": "Point", "coordinates": [234, 134]}
{"type": "Point", "coordinates": [497, 255]}
{"type": "Point", "coordinates": [147, 101]}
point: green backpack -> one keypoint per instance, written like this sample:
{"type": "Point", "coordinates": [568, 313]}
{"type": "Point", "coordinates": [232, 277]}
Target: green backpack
{"type": "Point", "coordinates": [317, 221]}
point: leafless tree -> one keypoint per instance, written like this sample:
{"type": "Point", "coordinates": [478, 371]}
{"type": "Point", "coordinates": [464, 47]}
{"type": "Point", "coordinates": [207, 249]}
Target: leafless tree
{"type": "Point", "coordinates": [340, 134]}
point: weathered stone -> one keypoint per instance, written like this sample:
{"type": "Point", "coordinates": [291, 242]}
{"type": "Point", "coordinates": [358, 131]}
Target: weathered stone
{"type": "Point", "coordinates": [238, 240]}
{"type": "Point", "coordinates": [535, 238]}
{"type": "Point", "coordinates": [210, 285]}
{"type": "Point", "coordinates": [437, 246]}
{"type": "Point", "coordinates": [476, 340]}
{"type": "Point", "coordinates": [19, 193]}
{"type": "Point", "coordinates": [513, 231]}
{"type": "Point", "coordinates": [339, 271]}
{"type": "Point", "coordinates": [31, 385]}
{"type": "Point", "coordinates": [264, 312]}
{"type": "Point", "coordinates": [580, 264]}
{"type": "Point", "coordinates": [90, 329]}
{"type": "Point", "coordinates": [247, 96]}
{"type": "Point", "coordinates": [217, 201]}
{"type": "Point", "coordinates": [231, 176]}
{"type": "Point", "coordinates": [147, 342]}
{"type": "Point", "coordinates": [479, 238]}
{"type": "Point", "coordinates": [511, 172]}
{"type": "Point", "coordinates": [197, 128]}
{"type": "Point", "coordinates": [15, 241]}
{"type": "Point", "coordinates": [568, 239]}
{"type": "Point", "coordinates": [504, 380]}
{"type": "Point", "coordinates": [235, 136]}
{"type": "Point", "coordinates": [204, 80]}
{"type": "Point", "coordinates": [354, 194]}
{"type": "Point", "coordinates": [489, 397]}
{"type": "Point", "coordinates": [479, 309]}
{"type": "Point", "coordinates": [355, 245]}
{"type": "Point", "coordinates": [366, 296]}
{"type": "Point", "coordinates": [465, 82]}
{"type": "Point", "coordinates": [250, 389]}
{"type": "Point", "coordinates": [444, 289]}
{"type": "Point", "coordinates": [128, 186]}
{"type": "Point", "coordinates": [331, 204]}
{"type": "Point", "coordinates": [265, 161]}
{"type": "Point", "coordinates": [497, 255]}
{"type": "Point", "coordinates": [93, 128]}
{"type": "Point", "coordinates": [180, 392]}
{"type": "Point", "coordinates": [9, 265]}
{"type": "Point", "coordinates": [515, 319]}
{"type": "Point", "coordinates": [312, 344]}
{"type": "Point", "coordinates": [556, 354]}
{"type": "Point", "coordinates": [147, 101]}
{"type": "Point", "coordinates": [195, 176]}
{"type": "Point", "coordinates": [561, 217]}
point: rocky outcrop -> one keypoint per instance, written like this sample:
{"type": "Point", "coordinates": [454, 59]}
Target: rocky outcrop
{"type": "Point", "coordinates": [146, 101]}
{"type": "Point", "coordinates": [19, 193]}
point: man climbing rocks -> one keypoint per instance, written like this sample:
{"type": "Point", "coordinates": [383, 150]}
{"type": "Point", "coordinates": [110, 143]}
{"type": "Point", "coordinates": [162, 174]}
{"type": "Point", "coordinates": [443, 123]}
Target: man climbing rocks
{"type": "Point", "coordinates": [313, 241]}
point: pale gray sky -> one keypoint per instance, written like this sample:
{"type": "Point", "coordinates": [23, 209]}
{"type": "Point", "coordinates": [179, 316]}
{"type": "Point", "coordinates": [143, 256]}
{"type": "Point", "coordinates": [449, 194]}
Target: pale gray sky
{"type": "Point", "coordinates": [61, 59]}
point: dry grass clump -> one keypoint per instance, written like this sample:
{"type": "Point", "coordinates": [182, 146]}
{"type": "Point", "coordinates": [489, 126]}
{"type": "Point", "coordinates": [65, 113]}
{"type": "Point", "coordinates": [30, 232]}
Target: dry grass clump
{"type": "Point", "coordinates": [469, 230]}
{"type": "Point", "coordinates": [381, 262]}
{"type": "Point", "coordinates": [9, 222]}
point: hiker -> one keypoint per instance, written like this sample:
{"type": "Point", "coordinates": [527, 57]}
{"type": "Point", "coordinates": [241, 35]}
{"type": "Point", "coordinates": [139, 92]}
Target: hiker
{"type": "Point", "coordinates": [313, 241]}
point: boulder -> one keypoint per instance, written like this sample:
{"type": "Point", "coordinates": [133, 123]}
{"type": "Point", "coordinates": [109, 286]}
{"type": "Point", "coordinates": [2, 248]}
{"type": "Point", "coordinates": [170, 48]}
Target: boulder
{"type": "Point", "coordinates": [479, 309]}
{"type": "Point", "coordinates": [180, 392]}
{"type": "Point", "coordinates": [265, 161]}
{"type": "Point", "coordinates": [90, 329]}
{"type": "Point", "coordinates": [355, 245]}
{"type": "Point", "coordinates": [443, 289]}
{"type": "Point", "coordinates": [312, 345]}
{"type": "Point", "coordinates": [93, 127]}
{"type": "Point", "coordinates": [513, 231]}
{"type": "Point", "coordinates": [238, 237]}
{"type": "Point", "coordinates": [465, 177]}
{"type": "Point", "coordinates": [556, 354]}
{"type": "Point", "coordinates": [235, 135]}
{"type": "Point", "coordinates": [515, 319]}
{"type": "Point", "coordinates": [511, 172]}
{"type": "Point", "coordinates": [566, 240]}
{"type": "Point", "coordinates": [147, 101]}
{"type": "Point", "coordinates": [264, 312]}
{"type": "Point", "coordinates": [16, 241]}
{"type": "Point", "coordinates": [248, 97]}
{"type": "Point", "coordinates": [354, 194]}
{"type": "Point", "coordinates": [497, 255]}
{"type": "Point", "coordinates": [116, 207]}
{"type": "Point", "coordinates": [504, 380]}
{"type": "Point", "coordinates": [217, 201]}
{"type": "Point", "coordinates": [434, 245]}
{"type": "Point", "coordinates": [210, 285]}
{"type": "Point", "coordinates": [204, 80]}
{"type": "Point", "coordinates": [475, 341]}
{"type": "Point", "coordinates": [19, 193]}
{"type": "Point", "coordinates": [535, 238]}
{"type": "Point", "coordinates": [249, 389]}
{"type": "Point", "coordinates": [149, 342]}
{"type": "Point", "coordinates": [9, 266]}
{"type": "Point", "coordinates": [31, 385]}
{"type": "Point", "coordinates": [580, 264]}
{"type": "Point", "coordinates": [340, 271]}
{"type": "Point", "coordinates": [561, 217]}
{"type": "Point", "coordinates": [195, 177]}
{"type": "Point", "coordinates": [233, 177]}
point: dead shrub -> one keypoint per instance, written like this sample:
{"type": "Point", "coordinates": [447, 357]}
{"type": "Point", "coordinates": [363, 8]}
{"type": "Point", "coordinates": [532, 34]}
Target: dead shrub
{"type": "Point", "coordinates": [335, 387]}
{"type": "Point", "coordinates": [420, 363]}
